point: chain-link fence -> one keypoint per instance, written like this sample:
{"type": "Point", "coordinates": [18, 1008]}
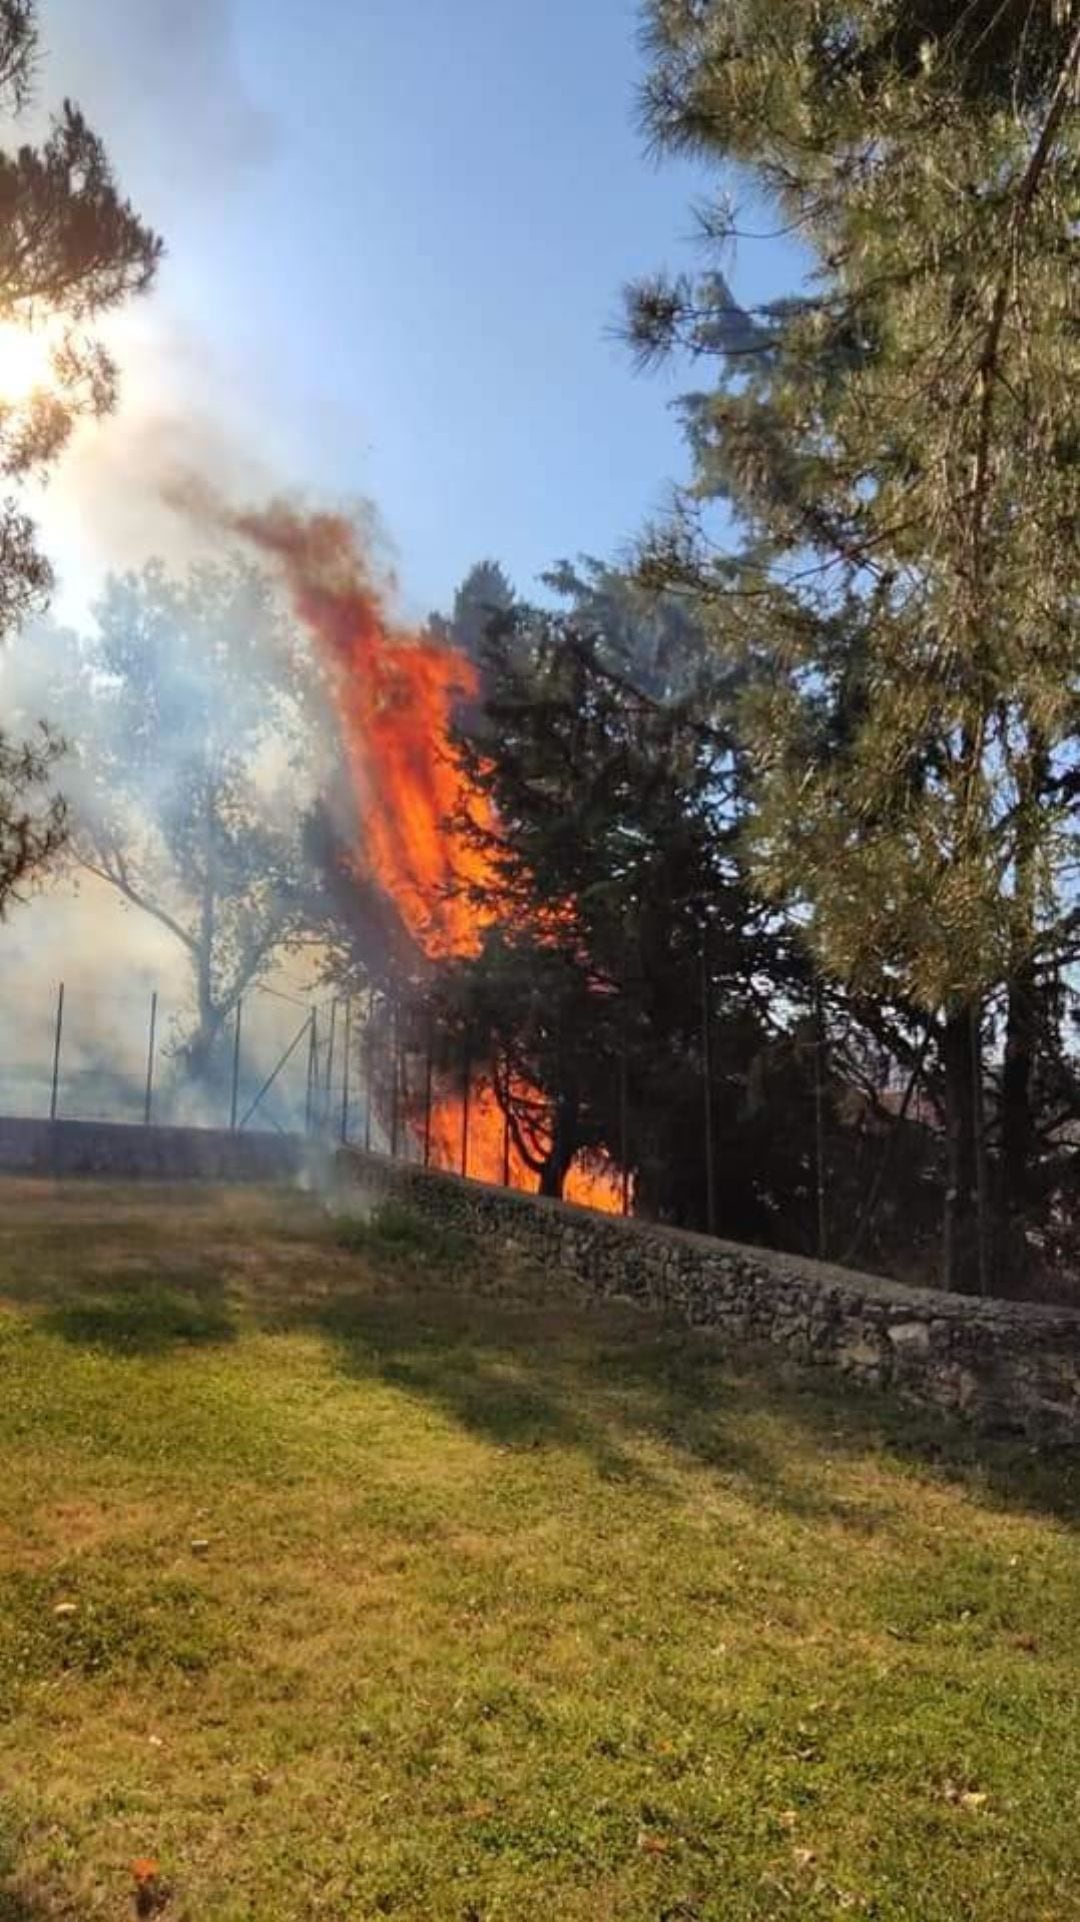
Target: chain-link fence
{"type": "Point", "coordinates": [293, 1063]}
{"type": "Point", "coordinates": [276, 1061]}
{"type": "Point", "coordinates": [360, 1070]}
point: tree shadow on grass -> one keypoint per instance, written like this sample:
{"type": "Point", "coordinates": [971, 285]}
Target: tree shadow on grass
{"type": "Point", "coordinates": [557, 1370]}
{"type": "Point", "coordinates": [1006, 1472]}
{"type": "Point", "coordinates": [548, 1374]}
{"type": "Point", "coordinates": [843, 1421]}
{"type": "Point", "coordinates": [21, 1908]}
{"type": "Point", "coordinates": [18, 1906]}
{"type": "Point", "coordinates": [144, 1315]}
{"type": "Point", "coordinates": [474, 1366]}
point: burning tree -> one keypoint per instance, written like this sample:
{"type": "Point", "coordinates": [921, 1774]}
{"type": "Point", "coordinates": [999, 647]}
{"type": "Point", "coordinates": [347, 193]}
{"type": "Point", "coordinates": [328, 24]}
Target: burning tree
{"type": "Point", "coordinates": [418, 863]}
{"type": "Point", "coordinates": [629, 970]}
{"type": "Point", "coordinates": [538, 889]}
{"type": "Point", "coordinates": [70, 248]}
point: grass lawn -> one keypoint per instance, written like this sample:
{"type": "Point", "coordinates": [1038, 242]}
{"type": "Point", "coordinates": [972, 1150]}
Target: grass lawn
{"type": "Point", "coordinates": [347, 1577]}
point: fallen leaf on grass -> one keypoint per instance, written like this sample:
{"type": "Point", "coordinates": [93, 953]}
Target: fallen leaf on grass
{"type": "Point", "coordinates": [965, 1798]}
{"type": "Point", "coordinates": [151, 1894]}
{"type": "Point", "coordinates": [652, 1844]}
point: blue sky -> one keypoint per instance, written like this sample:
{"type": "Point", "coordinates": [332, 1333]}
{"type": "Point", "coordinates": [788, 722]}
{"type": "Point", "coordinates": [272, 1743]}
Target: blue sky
{"type": "Point", "coordinates": [397, 238]}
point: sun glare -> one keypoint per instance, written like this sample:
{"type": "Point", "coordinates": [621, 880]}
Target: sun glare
{"type": "Point", "coordinates": [25, 360]}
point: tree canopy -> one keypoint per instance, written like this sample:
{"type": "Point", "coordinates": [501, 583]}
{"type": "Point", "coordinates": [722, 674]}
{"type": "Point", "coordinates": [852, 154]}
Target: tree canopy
{"type": "Point", "coordinates": [896, 444]}
{"type": "Point", "coordinates": [71, 248]}
{"type": "Point", "coordinates": [194, 712]}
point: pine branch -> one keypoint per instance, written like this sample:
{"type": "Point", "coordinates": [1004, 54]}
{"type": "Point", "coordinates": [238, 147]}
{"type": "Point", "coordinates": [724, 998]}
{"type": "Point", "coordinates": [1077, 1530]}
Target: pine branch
{"type": "Point", "coordinates": [987, 370]}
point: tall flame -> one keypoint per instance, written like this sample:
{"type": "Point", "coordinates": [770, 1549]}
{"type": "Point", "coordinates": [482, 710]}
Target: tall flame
{"type": "Point", "coordinates": [395, 694]}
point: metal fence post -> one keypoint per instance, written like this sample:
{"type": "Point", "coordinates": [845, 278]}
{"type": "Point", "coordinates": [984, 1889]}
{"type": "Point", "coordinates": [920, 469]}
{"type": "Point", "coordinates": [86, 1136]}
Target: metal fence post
{"type": "Point", "coordinates": [302, 1030]}
{"type": "Point", "coordinates": [369, 1063]}
{"type": "Point", "coordinates": [466, 1088]}
{"type": "Point", "coordinates": [236, 1067]}
{"type": "Point", "coordinates": [329, 1086]}
{"type": "Point", "coordinates": [623, 1089]}
{"type": "Point", "coordinates": [427, 1094]}
{"type": "Point", "coordinates": [819, 1122]}
{"type": "Point", "coordinates": [347, 1044]}
{"type": "Point", "coordinates": [56, 1054]}
{"type": "Point", "coordinates": [149, 1098]}
{"type": "Point", "coordinates": [624, 1109]}
{"type": "Point", "coordinates": [706, 1059]}
{"type": "Point", "coordinates": [312, 1070]}
{"type": "Point", "coordinates": [395, 1065]}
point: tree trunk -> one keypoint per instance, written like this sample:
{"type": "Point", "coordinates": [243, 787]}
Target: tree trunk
{"type": "Point", "coordinates": [984, 1223]}
{"type": "Point", "coordinates": [960, 1249]}
{"type": "Point", "coordinates": [1018, 1140]}
{"type": "Point", "coordinates": [820, 1177]}
{"type": "Point", "coordinates": [565, 1142]}
{"type": "Point", "coordinates": [1018, 1133]}
{"type": "Point", "coordinates": [199, 1049]}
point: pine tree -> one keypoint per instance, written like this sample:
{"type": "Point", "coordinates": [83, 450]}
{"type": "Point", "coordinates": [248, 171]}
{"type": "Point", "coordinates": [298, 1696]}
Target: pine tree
{"type": "Point", "coordinates": [70, 249]}
{"type": "Point", "coordinates": [620, 925]}
{"type": "Point", "coordinates": [898, 446]}
{"type": "Point", "coordinates": [652, 640]}
{"type": "Point", "coordinates": [484, 597]}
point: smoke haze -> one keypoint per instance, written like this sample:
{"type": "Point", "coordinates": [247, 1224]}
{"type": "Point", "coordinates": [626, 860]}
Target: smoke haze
{"type": "Point", "coordinates": [163, 83]}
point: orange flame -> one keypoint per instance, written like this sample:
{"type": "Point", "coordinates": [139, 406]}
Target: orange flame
{"type": "Point", "coordinates": [395, 694]}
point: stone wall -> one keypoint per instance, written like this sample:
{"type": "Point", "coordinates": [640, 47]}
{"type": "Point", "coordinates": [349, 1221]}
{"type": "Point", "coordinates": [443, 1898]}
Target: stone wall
{"type": "Point", "coordinates": [124, 1152]}
{"type": "Point", "coordinates": [1010, 1366]}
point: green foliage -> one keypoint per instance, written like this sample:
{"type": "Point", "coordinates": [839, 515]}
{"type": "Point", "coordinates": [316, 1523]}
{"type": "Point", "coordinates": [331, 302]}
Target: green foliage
{"type": "Point", "coordinates": [194, 713]}
{"type": "Point", "coordinates": [402, 1236]}
{"type": "Point", "coordinates": [611, 842]}
{"type": "Point", "coordinates": [654, 641]}
{"type": "Point", "coordinates": [33, 823]}
{"type": "Point", "coordinates": [484, 598]}
{"type": "Point", "coordinates": [606, 746]}
{"type": "Point", "coordinates": [895, 445]}
{"type": "Point", "coordinates": [71, 248]}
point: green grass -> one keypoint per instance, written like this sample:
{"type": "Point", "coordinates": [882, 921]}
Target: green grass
{"type": "Point", "coordinates": [510, 1606]}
